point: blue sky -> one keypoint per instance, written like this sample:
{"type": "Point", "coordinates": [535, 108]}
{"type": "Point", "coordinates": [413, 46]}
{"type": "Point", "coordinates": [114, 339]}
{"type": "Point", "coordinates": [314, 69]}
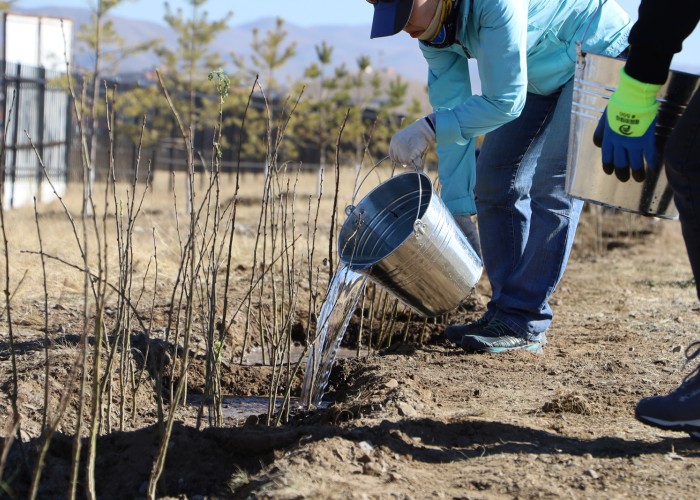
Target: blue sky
{"type": "Point", "coordinates": [306, 13]}
{"type": "Point", "coordinates": [299, 12]}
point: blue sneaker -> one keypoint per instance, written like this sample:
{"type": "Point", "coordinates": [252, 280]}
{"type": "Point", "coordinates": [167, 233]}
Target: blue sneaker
{"type": "Point", "coordinates": [455, 333]}
{"type": "Point", "coordinates": [497, 337]}
{"type": "Point", "coordinates": [679, 410]}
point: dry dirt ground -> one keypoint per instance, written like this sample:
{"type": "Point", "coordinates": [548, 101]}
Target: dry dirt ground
{"type": "Point", "coordinates": [431, 421]}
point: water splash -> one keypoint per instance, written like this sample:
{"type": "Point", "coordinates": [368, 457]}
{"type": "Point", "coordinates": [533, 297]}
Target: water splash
{"type": "Point", "coordinates": [344, 290]}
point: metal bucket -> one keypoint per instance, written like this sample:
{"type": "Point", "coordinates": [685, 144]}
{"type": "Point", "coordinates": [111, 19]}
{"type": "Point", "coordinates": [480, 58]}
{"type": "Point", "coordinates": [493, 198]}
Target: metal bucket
{"type": "Point", "coordinates": [593, 84]}
{"type": "Point", "coordinates": [403, 238]}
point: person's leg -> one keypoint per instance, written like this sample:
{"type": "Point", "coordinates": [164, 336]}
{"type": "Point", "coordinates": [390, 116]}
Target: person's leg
{"type": "Point", "coordinates": [467, 225]}
{"type": "Point", "coordinates": [526, 220]}
{"type": "Point", "coordinates": [502, 200]}
{"type": "Point", "coordinates": [682, 160]}
{"type": "Point", "coordinates": [680, 410]}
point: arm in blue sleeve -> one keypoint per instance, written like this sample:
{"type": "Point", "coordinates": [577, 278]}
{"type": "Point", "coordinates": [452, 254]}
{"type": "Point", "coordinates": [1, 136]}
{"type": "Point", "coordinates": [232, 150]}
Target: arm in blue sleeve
{"type": "Point", "coordinates": [501, 59]}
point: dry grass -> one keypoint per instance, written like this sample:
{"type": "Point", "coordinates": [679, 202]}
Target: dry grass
{"type": "Point", "coordinates": [158, 224]}
{"type": "Point", "coordinates": [163, 210]}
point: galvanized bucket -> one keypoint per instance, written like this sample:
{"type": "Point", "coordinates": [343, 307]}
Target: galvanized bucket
{"type": "Point", "coordinates": [594, 83]}
{"type": "Point", "coordinates": [403, 238]}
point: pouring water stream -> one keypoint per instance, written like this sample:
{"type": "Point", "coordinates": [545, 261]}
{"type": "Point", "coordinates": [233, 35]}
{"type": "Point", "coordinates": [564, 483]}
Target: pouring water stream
{"type": "Point", "coordinates": [344, 290]}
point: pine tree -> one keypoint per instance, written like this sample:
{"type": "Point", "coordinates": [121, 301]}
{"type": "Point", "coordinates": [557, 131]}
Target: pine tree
{"type": "Point", "coordinates": [185, 69]}
{"type": "Point", "coordinates": [107, 48]}
{"type": "Point", "coordinates": [265, 124]}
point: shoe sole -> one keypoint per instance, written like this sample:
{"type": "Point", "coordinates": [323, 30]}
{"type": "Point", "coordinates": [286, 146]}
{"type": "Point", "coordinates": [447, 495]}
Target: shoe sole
{"type": "Point", "coordinates": [534, 348]}
{"type": "Point", "coordinates": [682, 425]}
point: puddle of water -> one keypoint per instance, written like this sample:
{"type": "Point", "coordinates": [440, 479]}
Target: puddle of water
{"type": "Point", "coordinates": [242, 407]}
{"type": "Point", "coordinates": [344, 291]}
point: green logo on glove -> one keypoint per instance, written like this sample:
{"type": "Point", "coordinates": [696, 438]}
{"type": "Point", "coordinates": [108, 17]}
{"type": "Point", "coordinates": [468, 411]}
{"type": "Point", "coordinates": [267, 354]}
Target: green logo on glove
{"type": "Point", "coordinates": [632, 107]}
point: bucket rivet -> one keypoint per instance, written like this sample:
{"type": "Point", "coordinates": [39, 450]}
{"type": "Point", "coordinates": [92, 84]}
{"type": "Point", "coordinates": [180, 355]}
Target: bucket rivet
{"type": "Point", "coordinates": [419, 228]}
{"type": "Point", "coordinates": [349, 209]}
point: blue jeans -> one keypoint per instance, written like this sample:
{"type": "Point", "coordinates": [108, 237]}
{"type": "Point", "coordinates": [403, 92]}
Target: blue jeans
{"type": "Point", "coordinates": [527, 222]}
{"type": "Point", "coordinates": [682, 160]}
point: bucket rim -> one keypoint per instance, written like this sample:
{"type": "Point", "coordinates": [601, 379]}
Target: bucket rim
{"type": "Point", "coordinates": [660, 215]}
{"type": "Point", "coordinates": [366, 264]}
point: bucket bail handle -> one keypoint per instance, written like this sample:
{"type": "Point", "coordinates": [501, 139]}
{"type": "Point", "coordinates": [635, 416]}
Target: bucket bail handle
{"type": "Point", "coordinates": [351, 207]}
{"type": "Point", "coordinates": [419, 227]}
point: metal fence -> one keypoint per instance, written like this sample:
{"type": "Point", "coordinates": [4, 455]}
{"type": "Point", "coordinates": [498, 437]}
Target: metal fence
{"type": "Point", "coordinates": [42, 138]}
{"type": "Point", "coordinates": [35, 126]}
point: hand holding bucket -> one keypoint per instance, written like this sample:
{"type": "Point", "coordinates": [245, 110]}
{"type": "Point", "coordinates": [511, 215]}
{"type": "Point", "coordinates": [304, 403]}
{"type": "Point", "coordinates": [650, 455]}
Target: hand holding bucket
{"type": "Point", "coordinates": [586, 178]}
{"type": "Point", "coordinates": [408, 145]}
{"type": "Point", "coordinates": [626, 132]}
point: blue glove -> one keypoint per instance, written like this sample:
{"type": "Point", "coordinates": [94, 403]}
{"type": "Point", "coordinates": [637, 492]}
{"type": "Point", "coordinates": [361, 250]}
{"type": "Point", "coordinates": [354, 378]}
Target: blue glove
{"type": "Point", "coordinates": [626, 131]}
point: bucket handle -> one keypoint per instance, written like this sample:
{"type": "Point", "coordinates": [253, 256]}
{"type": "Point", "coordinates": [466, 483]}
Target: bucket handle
{"type": "Point", "coordinates": [419, 227]}
{"type": "Point", "coordinates": [351, 207]}
{"type": "Point", "coordinates": [597, 12]}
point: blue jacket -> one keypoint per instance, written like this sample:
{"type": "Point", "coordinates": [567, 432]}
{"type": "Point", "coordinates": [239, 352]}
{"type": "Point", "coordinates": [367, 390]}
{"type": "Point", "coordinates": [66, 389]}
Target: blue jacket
{"type": "Point", "coordinates": [519, 47]}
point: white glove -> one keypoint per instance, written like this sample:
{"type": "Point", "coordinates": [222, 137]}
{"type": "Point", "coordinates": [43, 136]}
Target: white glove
{"type": "Point", "coordinates": [408, 145]}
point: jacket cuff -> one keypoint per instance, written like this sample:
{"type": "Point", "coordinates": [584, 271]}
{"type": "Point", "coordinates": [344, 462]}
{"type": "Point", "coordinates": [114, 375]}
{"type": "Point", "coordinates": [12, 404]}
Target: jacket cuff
{"type": "Point", "coordinates": [648, 66]}
{"type": "Point", "coordinates": [447, 129]}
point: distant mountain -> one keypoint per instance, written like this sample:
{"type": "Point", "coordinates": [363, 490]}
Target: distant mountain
{"type": "Point", "coordinates": [395, 54]}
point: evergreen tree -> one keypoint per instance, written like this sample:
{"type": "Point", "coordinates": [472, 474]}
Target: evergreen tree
{"type": "Point", "coordinates": [324, 106]}
{"type": "Point", "coordinates": [269, 54]}
{"type": "Point", "coordinates": [106, 47]}
{"type": "Point", "coordinates": [185, 69]}
{"type": "Point", "coordinates": [266, 123]}
{"type": "Point", "coordinates": [366, 90]}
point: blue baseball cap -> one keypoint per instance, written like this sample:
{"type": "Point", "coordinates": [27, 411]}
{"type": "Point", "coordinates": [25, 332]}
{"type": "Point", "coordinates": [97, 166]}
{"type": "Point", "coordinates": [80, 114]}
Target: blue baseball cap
{"type": "Point", "coordinates": [390, 16]}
